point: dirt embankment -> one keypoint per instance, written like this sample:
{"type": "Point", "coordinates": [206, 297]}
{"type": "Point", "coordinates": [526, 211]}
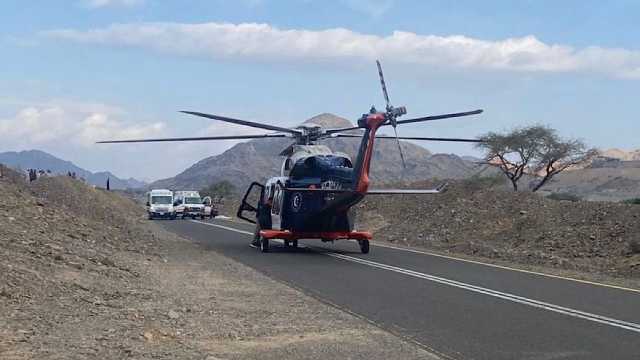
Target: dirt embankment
{"type": "Point", "coordinates": [83, 275]}
{"type": "Point", "coordinates": [525, 228]}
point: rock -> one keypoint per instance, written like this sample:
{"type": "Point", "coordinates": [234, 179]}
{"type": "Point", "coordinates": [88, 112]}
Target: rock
{"type": "Point", "coordinates": [173, 315]}
{"type": "Point", "coordinates": [107, 261]}
{"type": "Point", "coordinates": [147, 336]}
{"type": "Point", "coordinates": [76, 265]}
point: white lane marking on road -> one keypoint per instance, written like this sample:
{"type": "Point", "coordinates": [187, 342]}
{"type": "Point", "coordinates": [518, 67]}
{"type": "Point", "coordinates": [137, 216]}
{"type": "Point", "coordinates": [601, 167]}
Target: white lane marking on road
{"type": "Point", "coordinates": [478, 289]}
{"type": "Point", "coordinates": [222, 227]}
{"type": "Point", "coordinates": [503, 267]}
{"type": "Point", "coordinates": [424, 252]}
{"type": "Point", "coordinates": [502, 295]}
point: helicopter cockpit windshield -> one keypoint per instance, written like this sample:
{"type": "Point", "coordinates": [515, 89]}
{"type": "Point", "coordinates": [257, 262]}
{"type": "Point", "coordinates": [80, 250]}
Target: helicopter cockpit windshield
{"type": "Point", "coordinates": [323, 168]}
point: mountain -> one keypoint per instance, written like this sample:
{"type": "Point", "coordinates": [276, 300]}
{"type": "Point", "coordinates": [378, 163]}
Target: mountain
{"type": "Point", "coordinates": [36, 159]}
{"type": "Point", "coordinates": [257, 160]}
{"type": "Point", "coordinates": [632, 155]}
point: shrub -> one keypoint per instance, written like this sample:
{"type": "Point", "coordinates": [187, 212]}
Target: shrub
{"type": "Point", "coordinates": [634, 201]}
{"type": "Point", "coordinates": [479, 182]}
{"type": "Point", "coordinates": [564, 197]}
{"type": "Point", "coordinates": [220, 189]}
{"type": "Point", "coordinates": [634, 246]}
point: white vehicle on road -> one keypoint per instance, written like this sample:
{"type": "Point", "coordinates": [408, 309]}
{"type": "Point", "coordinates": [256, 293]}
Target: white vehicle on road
{"type": "Point", "coordinates": [160, 204]}
{"type": "Point", "coordinates": [188, 204]}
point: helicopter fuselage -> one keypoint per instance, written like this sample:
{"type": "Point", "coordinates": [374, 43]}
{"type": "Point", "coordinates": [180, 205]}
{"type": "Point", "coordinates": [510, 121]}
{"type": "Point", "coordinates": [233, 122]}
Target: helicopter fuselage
{"type": "Point", "coordinates": [317, 188]}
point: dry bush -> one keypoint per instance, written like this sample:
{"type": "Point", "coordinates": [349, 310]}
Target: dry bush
{"type": "Point", "coordinates": [634, 246]}
{"type": "Point", "coordinates": [564, 197]}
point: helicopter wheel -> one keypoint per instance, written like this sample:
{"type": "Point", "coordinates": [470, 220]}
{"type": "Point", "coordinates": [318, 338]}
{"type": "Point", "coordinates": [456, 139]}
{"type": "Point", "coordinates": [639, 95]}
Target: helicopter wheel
{"type": "Point", "coordinates": [264, 244]}
{"type": "Point", "coordinates": [364, 246]}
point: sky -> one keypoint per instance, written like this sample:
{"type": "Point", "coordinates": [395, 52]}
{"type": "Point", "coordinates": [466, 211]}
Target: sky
{"type": "Point", "coordinates": [78, 71]}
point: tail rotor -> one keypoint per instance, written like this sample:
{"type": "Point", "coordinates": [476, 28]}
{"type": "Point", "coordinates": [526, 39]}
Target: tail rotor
{"type": "Point", "coordinates": [392, 113]}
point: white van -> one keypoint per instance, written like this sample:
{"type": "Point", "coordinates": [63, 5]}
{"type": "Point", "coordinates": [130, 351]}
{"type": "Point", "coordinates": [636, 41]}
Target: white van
{"type": "Point", "coordinates": [160, 204]}
{"type": "Point", "coordinates": [188, 204]}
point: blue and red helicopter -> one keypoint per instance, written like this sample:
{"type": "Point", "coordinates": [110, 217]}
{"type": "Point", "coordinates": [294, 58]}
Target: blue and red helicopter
{"type": "Point", "coordinates": [314, 196]}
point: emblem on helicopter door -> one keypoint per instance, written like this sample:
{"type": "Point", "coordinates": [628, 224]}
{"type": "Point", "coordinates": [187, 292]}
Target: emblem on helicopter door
{"type": "Point", "coordinates": [296, 202]}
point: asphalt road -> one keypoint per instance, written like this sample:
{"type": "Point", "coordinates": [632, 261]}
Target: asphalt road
{"type": "Point", "coordinates": [459, 309]}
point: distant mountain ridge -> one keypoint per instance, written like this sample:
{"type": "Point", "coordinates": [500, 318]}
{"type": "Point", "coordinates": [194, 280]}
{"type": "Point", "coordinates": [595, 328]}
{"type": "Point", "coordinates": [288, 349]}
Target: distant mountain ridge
{"type": "Point", "coordinates": [632, 155]}
{"type": "Point", "coordinates": [257, 160]}
{"type": "Point", "coordinates": [37, 159]}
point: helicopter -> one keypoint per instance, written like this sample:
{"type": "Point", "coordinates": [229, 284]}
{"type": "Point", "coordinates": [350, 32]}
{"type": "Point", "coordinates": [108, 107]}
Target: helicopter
{"type": "Point", "coordinates": [315, 194]}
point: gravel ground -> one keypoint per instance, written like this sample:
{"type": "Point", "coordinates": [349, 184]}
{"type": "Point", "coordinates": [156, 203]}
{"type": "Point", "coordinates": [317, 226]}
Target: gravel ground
{"type": "Point", "coordinates": [84, 275]}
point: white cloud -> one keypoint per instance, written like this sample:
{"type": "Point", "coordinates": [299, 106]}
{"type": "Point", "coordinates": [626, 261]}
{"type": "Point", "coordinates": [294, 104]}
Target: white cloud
{"type": "Point", "coordinates": [263, 42]}
{"type": "Point", "coordinates": [74, 124]}
{"type": "Point", "coordinates": [104, 3]}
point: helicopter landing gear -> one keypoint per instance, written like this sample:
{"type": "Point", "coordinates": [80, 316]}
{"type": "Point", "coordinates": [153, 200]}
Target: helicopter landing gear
{"type": "Point", "coordinates": [291, 243]}
{"type": "Point", "coordinates": [364, 246]}
{"type": "Point", "coordinates": [264, 244]}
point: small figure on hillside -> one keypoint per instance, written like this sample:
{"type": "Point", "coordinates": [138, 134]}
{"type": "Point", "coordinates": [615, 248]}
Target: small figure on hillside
{"type": "Point", "coordinates": [108, 187]}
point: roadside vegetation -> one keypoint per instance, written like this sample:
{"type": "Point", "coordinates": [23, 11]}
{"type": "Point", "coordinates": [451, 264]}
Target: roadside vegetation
{"type": "Point", "coordinates": [564, 197]}
{"type": "Point", "coordinates": [221, 190]}
{"type": "Point", "coordinates": [537, 151]}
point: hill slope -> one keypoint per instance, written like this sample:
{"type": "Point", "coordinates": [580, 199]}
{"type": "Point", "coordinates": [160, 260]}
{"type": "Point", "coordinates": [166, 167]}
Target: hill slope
{"type": "Point", "coordinates": [491, 222]}
{"type": "Point", "coordinates": [258, 160]}
{"type": "Point", "coordinates": [36, 159]}
{"type": "Point", "coordinates": [84, 276]}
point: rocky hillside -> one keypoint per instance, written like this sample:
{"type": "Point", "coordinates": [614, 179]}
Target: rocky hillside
{"type": "Point", "coordinates": [259, 160]}
{"type": "Point", "coordinates": [36, 159]}
{"type": "Point", "coordinates": [597, 184]}
{"type": "Point", "coordinates": [479, 219]}
{"type": "Point", "coordinates": [622, 154]}
{"type": "Point", "coordinates": [84, 276]}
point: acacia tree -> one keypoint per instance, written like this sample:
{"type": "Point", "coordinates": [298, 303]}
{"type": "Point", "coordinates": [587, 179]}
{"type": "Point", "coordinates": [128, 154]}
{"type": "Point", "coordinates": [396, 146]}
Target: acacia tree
{"type": "Point", "coordinates": [535, 150]}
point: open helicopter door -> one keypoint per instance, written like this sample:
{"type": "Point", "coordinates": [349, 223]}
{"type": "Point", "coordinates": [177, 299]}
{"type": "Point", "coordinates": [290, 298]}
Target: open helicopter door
{"type": "Point", "coordinates": [254, 195]}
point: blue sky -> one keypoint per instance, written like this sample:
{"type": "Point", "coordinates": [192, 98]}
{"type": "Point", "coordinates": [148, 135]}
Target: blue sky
{"type": "Point", "coordinates": [81, 70]}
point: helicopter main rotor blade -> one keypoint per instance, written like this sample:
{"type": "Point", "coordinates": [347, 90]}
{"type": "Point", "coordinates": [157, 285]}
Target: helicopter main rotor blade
{"type": "Point", "coordinates": [339, 130]}
{"type": "Point", "coordinates": [243, 122]}
{"type": "Point", "coordinates": [413, 138]}
{"type": "Point", "coordinates": [439, 117]}
{"type": "Point", "coordinates": [420, 119]}
{"type": "Point", "coordinates": [202, 138]}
